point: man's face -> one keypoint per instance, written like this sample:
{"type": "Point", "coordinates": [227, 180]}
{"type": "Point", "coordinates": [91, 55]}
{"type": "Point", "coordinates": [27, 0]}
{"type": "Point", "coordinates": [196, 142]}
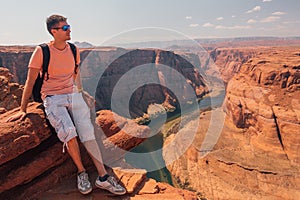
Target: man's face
{"type": "Point", "coordinates": [61, 31]}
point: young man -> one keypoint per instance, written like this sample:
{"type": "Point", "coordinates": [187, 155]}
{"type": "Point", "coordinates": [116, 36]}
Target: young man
{"type": "Point", "coordinates": [64, 105]}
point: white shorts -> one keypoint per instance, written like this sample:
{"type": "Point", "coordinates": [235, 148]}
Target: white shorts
{"type": "Point", "coordinates": [70, 116]}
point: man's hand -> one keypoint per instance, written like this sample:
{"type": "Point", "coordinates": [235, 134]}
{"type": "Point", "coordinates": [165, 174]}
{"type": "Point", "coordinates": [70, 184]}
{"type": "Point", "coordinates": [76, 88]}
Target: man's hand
{"type": "Point", "coordinates": [89, 100]}
{"type": "Point", "coordinates": [20, 115]}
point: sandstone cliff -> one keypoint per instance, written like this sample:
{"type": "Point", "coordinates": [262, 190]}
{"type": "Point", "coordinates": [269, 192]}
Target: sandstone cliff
{"type": "Point", "coordinates": [257, 154]}
{"type": "Point", "coordinates": [230, 60]}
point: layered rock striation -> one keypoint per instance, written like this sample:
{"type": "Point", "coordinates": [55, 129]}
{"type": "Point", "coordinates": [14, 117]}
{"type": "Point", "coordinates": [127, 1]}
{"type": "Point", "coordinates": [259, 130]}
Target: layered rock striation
{"type": "Point", "coordinates": [264, 98]}
{"type": "Point", "coordinates": [257, 153]}
{"type": "Point", "coordinates": [229, 60]}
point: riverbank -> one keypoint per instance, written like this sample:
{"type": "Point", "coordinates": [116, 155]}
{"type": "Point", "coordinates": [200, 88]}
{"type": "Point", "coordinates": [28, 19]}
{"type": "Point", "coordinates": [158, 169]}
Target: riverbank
{"type": "Point", "coordinates": [154, 144]}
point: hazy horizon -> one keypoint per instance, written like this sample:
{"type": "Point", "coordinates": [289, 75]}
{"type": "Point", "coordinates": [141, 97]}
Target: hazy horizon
{"type": "Point", "coordinates": [203, 40]}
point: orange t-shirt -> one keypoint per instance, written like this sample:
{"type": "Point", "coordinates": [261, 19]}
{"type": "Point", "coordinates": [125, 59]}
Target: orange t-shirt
{"type": "Point", "coordinates": [60, 69]}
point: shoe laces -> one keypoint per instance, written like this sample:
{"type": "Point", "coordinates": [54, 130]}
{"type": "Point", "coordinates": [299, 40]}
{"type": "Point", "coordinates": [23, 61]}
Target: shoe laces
{"type": "Point", "coordinates": [84, 178]}
{"type": "Point", "coordinates": [113, 182]}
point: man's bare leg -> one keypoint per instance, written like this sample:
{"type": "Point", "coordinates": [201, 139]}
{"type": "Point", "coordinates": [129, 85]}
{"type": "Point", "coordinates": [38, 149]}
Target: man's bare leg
{"type": "Point", "coordinates": [94, 152]}
{"type": "Point", "coordinates": [83, 183]}
{"type": "Point", "coordinates": [73, 150]}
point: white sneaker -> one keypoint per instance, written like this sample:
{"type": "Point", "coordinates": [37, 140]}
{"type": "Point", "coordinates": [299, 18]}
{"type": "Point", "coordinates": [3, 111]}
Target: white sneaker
{"type": "Point", "coordinates": [111, 185]}
{"type": "Point", "coordinates": [83, 183]}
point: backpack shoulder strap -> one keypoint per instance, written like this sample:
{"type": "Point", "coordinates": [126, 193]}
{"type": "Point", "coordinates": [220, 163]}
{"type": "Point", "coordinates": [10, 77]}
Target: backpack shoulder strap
{"type": "Point", "coordinates": [46, 59]}
{"type": "Point", "coordinates": [74, 51]}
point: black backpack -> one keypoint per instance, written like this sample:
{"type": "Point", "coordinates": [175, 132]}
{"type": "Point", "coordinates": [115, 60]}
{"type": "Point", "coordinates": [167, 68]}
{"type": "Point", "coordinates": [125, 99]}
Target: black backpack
{"type": "Point", "coordinates": [36, 91]}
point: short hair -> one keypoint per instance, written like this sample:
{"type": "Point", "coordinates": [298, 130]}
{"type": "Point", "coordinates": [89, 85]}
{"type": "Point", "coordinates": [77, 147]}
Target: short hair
{"type": "Point", "coordinates": [54, 20]}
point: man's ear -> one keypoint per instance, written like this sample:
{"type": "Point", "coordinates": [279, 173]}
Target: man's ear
{"type": "Point", "coordinates": [53, 31]}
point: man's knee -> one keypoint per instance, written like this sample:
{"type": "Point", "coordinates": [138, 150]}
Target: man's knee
{"type": "Point", "coordinates": [72, 140]}
{"type": "Point", "coordinates": [87, 137]}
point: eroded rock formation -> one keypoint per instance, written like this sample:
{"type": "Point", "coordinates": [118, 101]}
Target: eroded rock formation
{"type": "Point", "coordinates": [10, 93]}
{"type": "Point", "coordinates": [257, 154]}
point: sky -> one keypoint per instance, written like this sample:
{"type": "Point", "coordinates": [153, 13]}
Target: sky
{"type": "Point", "coordinates": [107, 21]}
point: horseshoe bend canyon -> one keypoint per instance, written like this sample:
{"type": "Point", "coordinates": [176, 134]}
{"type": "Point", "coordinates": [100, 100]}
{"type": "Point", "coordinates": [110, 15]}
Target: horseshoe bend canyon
{"type": "Point", "coordinates": [245, 147]}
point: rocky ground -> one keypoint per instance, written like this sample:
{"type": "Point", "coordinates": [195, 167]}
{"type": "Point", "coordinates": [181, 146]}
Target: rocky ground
{"type": "Point", "coordinates": [34, 167]}
{"type": "Point", "coordinates": [137, 185]}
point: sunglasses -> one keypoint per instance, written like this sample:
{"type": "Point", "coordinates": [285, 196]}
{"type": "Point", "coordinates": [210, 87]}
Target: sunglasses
{"type": "Point", "coordinates": [64, 28]}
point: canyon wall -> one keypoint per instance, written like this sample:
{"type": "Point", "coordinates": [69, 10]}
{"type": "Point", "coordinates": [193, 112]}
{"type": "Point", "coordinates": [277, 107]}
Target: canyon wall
{"type": "Point", "coordinates": [156, 67]}
{"type": "Point", "coordinates": [257, 153]}
{"type": "Point", "coordinates": [16, 58]}
{"type": "Point", "coordinates": [230, 60]}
